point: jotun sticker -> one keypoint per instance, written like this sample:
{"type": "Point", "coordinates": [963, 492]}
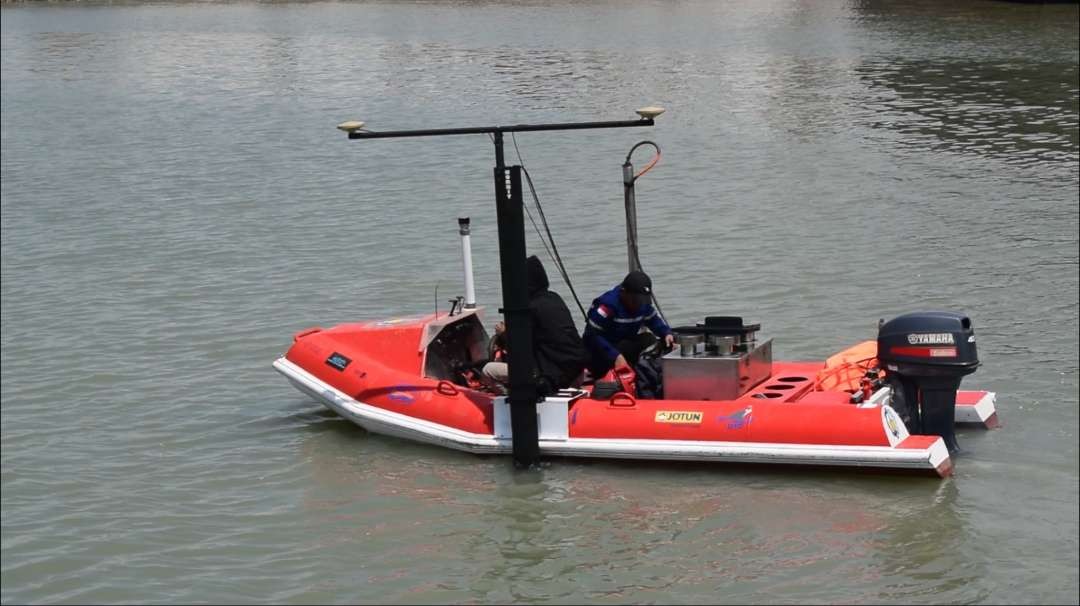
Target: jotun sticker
{"type": "Point", "coordinates": [692, 417]}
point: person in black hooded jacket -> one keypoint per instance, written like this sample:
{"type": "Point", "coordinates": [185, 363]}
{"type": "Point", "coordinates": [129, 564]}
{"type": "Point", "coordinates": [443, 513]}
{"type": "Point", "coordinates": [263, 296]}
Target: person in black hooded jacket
{"type": "Point", "coordinates": [558, 351]}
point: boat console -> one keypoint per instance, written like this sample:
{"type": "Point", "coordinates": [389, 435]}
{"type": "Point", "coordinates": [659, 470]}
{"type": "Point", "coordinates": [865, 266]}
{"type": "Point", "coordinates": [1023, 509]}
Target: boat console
{"type": "Point", "coordinates": [719, 359]}
{"type": "Point", "coordinates": [456, 343]}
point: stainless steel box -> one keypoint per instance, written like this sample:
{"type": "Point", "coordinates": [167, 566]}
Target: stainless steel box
{"type": "Point", "coordinates": [710, 377]}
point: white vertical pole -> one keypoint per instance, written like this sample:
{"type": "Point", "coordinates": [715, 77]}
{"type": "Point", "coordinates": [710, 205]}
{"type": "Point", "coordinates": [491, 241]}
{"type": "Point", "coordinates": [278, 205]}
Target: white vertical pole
{"type": "Point", "coordinates": [466, 260]}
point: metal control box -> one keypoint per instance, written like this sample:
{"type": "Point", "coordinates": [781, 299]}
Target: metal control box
{"type": "Point", "coordinates": [713, 377]}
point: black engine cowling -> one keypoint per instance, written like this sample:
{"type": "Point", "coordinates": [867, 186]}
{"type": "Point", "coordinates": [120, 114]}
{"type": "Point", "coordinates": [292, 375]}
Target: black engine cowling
{"type": "Point", "coordinates": [925, 355]}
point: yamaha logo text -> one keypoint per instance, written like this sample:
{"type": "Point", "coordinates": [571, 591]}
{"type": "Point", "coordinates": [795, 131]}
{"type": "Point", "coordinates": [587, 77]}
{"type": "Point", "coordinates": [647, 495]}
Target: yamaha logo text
{"type": "Point", "coordinates": [940, 338]}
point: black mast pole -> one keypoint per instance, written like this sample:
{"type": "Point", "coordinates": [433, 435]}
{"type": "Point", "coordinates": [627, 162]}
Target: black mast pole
{"type": "Point", "coordinates": [521, 366]}
{"type": "Point", "coordinates": [511, 219]}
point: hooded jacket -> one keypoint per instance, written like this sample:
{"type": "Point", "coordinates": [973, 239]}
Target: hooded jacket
{"type": "Point", "coordinates": [557, 348]}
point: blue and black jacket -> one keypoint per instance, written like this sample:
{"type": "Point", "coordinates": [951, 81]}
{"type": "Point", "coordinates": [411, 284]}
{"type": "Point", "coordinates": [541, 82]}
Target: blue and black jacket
{"type": "Point", "coordinates": [610, 322]}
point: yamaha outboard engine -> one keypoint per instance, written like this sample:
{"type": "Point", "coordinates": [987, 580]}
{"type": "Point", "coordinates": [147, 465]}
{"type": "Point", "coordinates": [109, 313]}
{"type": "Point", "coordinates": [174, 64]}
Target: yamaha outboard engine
{"type": "Point", "coordinates": [925, 355]}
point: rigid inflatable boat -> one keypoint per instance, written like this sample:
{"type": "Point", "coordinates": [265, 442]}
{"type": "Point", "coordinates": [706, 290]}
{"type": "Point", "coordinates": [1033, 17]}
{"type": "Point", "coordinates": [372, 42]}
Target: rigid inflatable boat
{"type": "Point", "coordinates": [890, 402]}
{"type": "Point", "coordinates": [407, 377]}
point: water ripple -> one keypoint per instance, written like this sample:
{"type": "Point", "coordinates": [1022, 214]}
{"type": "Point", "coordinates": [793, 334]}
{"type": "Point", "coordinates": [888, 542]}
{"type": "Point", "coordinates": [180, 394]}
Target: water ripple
{"type": "Point", "coordinates": [176, 203]}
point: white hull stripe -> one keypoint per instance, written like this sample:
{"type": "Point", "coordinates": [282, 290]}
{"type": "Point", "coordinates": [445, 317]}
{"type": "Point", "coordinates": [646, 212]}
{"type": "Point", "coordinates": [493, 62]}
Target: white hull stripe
{"type": "Point", "coordinates": [378, 420]}
{"type": "Point", "coordinates": [979, 412]}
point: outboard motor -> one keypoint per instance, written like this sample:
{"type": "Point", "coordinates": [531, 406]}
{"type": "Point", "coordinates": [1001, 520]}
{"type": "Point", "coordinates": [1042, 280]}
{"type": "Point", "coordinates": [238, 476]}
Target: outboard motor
{"type": "Point", "coordinates": [925, 355]}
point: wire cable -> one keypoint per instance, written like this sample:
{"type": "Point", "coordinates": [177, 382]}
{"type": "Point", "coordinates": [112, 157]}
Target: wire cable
{"type": "Point", "coordinates": [553, 252]}
{"type": "Point", "coordinates": [631, 235]}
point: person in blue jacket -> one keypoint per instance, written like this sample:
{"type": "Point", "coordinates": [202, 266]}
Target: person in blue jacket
{"type": "Point", "coordinates": [613, 334]}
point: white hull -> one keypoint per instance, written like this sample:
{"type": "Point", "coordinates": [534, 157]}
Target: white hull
{"type": "Point", "coordinates": [934, 458]}
{"type": "Point", "coordinates": [983, 412]}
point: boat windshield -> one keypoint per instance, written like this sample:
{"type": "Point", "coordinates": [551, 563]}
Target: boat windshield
{"type": "Point", "coordinates": [458, 346]}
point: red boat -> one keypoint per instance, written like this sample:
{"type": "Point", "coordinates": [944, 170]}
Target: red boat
{"type": "Point", "coordinates": [888, 403]}
{"type": "Point", "coordinates": [403, 377]}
